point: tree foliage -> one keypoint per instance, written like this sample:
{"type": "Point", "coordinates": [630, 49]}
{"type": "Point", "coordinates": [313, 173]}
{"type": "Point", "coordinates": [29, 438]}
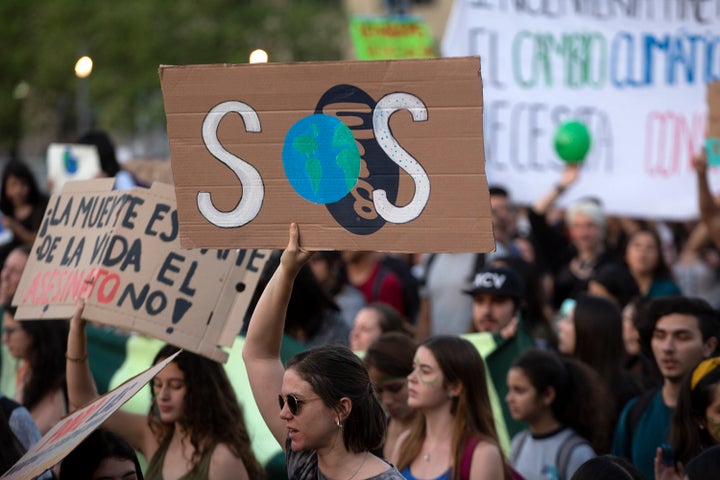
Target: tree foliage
{"type": "Point", "coordinates": [129, 40]}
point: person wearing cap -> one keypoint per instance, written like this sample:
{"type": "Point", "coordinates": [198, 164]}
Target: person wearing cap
{"type": "Point", "coordinates": [497, 328]}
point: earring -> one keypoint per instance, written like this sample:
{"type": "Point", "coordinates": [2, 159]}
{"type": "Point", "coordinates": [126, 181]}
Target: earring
{"type": "Point", "coordinates": [339, 424]}
{"type": "Point", "coordinates": [451, 395]}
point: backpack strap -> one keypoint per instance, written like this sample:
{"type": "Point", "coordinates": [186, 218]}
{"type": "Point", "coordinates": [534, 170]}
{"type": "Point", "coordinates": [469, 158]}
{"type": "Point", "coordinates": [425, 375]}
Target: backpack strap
{"type": "Point", "coordinates": [466, 462]}
{"type": "Point", "coordinates": [636, 412]}
{"type": "Point", "coordinates": [565, 451]}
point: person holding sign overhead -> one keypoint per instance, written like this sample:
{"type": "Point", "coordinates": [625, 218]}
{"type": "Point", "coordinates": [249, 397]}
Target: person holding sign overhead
{"type": "Point", "coordinates": [195, 428]}
{"type": "Point", "coordinates": [329, 418]}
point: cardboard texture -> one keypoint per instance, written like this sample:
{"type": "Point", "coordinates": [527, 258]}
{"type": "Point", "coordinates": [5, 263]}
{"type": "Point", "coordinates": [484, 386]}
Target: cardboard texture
{"type": "Point", "coordinates": [66, 162]}
{"type": "Point", "coordinates": [712, 143]}
{"type": "Point", "coordinates": [73, 429]}
{"type": "Point", "coordinates": [256, 147]}
{"type": "Point", "coordinates": [123, 248]}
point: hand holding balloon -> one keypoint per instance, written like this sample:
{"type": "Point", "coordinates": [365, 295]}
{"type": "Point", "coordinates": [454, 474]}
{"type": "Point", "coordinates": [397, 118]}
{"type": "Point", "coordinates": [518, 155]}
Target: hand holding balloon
{"type": "Point", "coordinates": [572, 141]}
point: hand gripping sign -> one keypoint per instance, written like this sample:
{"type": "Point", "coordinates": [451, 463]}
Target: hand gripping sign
{"type": "Point", "coordinates": [383, 155]}
{"type": "Point", "coordinates": [121, 250]}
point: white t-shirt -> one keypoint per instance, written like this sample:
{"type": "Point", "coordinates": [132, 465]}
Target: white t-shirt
{"type": "Point", "coordinates": [537, 456]}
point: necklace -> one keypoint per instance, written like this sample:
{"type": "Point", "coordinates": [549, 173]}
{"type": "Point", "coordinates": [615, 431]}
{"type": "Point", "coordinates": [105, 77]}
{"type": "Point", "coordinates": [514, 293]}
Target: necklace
{"type": "Point", "coordinates": [359, 467]}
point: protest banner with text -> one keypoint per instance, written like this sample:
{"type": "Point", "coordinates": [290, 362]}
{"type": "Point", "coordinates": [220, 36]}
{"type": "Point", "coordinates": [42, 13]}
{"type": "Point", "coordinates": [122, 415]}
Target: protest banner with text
{"type": "Point", "coordinates": [635, 73]}
{"type": "Point", "coordinates": [376, 155]}
{"type": "Point", "coordinates": [120, 249]}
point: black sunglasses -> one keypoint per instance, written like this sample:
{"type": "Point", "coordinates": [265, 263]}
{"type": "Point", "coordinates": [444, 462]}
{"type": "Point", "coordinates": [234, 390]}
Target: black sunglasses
{"type": "Point", "coordinates": [293, 402]}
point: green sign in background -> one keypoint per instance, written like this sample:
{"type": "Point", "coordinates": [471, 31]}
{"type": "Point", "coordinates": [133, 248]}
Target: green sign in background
{"type": "Point", "coordinates": [388, 38]}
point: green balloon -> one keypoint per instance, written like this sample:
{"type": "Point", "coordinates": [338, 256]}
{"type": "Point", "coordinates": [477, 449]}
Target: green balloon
{"type": "Point", "coordinates": [572, 141]}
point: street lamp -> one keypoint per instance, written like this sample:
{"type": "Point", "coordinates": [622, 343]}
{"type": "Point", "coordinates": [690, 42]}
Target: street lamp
{"type": "Point", "coordinates": [258, 56]}
{"type": "Point", "coordinates": [83, 69]}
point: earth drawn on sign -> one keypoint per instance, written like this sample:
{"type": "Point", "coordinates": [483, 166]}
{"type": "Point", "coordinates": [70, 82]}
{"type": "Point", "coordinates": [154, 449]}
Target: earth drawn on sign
{"type": "Point", "coordinates": [321, 158]}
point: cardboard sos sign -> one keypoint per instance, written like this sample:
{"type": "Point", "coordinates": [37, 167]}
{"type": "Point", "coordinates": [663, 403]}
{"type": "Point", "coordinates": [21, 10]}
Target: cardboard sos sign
{"type": "Point", "coordinates": [363, 155]}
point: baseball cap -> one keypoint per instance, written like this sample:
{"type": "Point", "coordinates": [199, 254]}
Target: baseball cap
{"type": "Point", "coordinates": [500, 281]}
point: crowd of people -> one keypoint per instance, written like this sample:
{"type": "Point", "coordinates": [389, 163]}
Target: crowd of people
{"type": "Point", "coordinates": [586, 346]}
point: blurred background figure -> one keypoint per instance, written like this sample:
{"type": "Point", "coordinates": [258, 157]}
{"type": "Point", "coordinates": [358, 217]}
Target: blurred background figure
{"type": "Point", "coordinates": [389, 361]}
{"type": "Point", "coordinates": [327, 266]}
{"type": "Point", "coordinates": [608, 467]}
{"type": "Point", "coordinates": [378, 283]}
{"type": "Point", "coordinates": [696, 421]}
{"type": "Point", "coordinates": [22, 205]}
{"type": "Point", "coordinates": [593, 334]}
{"type": "Point", "coordinates": [39, 346]}
{"type": "Point", "coordinates": [558, 399]}
{"type": "Point", "coordinates": [124, 180]}
{"type": "Point", "coordinates": [374, 320]}
{"type": "Point", "coordinates": [102, 455]}
{"type": "Point", "coordinates": [645, 260]}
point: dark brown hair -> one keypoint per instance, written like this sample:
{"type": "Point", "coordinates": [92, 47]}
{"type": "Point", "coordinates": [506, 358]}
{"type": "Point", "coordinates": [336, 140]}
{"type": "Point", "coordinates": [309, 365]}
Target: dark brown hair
{"type": "Point", "coordinates": [211, 411]}
{"type": "Point", "coordinates": [334, 372]}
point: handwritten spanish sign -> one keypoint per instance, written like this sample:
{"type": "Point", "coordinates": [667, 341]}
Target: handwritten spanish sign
{"type": "Point", "coordinates": [73, 429]}
{"type": "Point", "coordinates": [381, 155]}
{"type": "Point", "coordinates": [121, 248]}
{"type": "Point", "coordinates": [635, 73]}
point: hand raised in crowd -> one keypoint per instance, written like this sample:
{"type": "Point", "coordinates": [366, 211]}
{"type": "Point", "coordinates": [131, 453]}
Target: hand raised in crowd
{"type": "Point", "coordinates": [699, 162]}
{"type": "Point", "coordinates": [294, 256]}
{"type": "Point", "coordinates": [667, 472]}
{"type": "Point", "coordinates": [570, 175]}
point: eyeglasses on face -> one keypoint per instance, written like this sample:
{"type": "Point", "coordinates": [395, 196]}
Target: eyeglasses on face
{"type": "Point", "coordinates": [293, 402]}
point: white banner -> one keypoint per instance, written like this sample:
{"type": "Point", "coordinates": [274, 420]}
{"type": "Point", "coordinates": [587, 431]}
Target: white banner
{"type": "Point", "coordinates": [635, 72]}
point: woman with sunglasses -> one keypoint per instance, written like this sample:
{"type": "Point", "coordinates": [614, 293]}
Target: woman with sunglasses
{"type": "Point", "coordinates": [329, 418]}
{"type": "Point", "coordinates": [195, 427]}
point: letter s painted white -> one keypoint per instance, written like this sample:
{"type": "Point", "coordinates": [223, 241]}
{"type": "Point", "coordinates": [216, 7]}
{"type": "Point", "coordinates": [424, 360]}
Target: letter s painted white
{"type": "Point", "coordinates": [253, 191]}
{"type": "Point", "coordinates": [384, 109]}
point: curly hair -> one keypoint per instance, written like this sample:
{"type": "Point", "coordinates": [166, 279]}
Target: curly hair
{"type": "Point", "coordinates": [211, 413]}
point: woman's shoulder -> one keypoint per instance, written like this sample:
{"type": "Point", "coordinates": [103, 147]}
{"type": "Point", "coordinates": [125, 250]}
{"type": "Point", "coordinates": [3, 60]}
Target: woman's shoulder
{"type": "Point", "coordinates": [224, 463]}
{"type": "Point", "coordinates": [487, 449]}
{"type": "Point", "coordinates": [389, 473]}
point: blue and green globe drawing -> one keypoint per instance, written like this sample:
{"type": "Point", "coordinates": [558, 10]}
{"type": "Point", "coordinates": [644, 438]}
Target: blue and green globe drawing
{"type": "Point", "coordinates": [321, 158]}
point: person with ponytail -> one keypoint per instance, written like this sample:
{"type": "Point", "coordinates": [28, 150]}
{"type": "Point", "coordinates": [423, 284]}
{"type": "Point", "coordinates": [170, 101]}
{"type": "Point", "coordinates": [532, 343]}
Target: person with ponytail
{"type": "Point", "coordinates": [559, 399]}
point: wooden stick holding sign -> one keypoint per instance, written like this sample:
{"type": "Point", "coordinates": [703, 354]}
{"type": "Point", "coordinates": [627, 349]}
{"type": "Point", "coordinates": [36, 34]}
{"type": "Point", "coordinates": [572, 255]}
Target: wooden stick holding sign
{"type": "Point", "coordinates": [381, 155]}
{"type": "Point", "coordinates": [72, 430]}
{"type": "Point", "coordinates": [127, 243]}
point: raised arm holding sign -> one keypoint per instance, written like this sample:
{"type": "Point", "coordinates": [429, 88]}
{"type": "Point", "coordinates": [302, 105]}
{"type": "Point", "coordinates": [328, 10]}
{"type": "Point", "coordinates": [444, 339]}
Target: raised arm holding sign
{"type": "Point", "coordinates": [329, 418]}
{"type": "Point", "coordinates": [199, 426]}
